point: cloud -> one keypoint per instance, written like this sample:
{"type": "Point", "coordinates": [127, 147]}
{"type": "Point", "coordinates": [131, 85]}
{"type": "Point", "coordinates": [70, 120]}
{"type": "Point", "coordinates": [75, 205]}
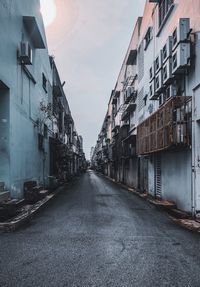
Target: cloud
{"type": "Point", "coordinates": [89, 40]}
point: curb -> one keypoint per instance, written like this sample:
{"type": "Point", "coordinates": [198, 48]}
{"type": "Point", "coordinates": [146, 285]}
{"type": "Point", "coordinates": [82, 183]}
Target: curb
{"type": "Point", "coordinates": [178, 216]}
{"type": "Point", "coordinates": [18, 221]}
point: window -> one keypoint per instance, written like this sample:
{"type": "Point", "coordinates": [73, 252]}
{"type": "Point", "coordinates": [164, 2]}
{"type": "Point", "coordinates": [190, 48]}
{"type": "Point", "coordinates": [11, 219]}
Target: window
{"type": "Point", "coordinates": [157, 64]}
{"type": "Point", "coordinates": [145, 100]}
{"type": "Point", "coordinates": [151, 73]}
{"type": "Point", "coordinates": [157, 83]}
{"type": "Point", "coordinates": [175, 37]}
{"type": "Point", "coordinates": [164, 8]}
{"type": "Point", "coordinates": [165, 74]}
{"type": "Point", "coordinates": [164, 52]}
{"type": "Point", "coordinates": [151, 90]}
{"type": "Point", "coordinates": [148, 37]}
{"type": "Point", "coordinates": [44, 82]}
{"type": "Point", "coordinates": [174, 61]}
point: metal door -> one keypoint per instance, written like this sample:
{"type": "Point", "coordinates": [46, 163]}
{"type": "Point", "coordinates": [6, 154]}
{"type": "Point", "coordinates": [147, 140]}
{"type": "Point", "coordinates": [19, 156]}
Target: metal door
{"type": "Point", "coordinates": [158, 182]}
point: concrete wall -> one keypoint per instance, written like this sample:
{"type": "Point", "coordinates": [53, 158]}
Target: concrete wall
{"type": "Point", "coordinates": [131, 173]}
{"type": "Point", "coordinates": [176, 178]}
{"type": "Point", "coordinates": [26, 160]}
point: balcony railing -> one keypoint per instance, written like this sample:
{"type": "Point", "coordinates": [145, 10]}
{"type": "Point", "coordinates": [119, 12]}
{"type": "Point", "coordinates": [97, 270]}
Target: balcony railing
{"type": "Point", "coordinates": [130, 97]}
{"type": "Point", "coordinates": [128, 109]}
{"type": "Point", "coordinates": [169, 127]}
{"type": "Point", "coordinates": [129, 147]}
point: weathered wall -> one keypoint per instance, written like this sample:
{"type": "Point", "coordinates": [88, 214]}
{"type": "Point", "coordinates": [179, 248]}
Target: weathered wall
{"type": "Point", "coordinates": [176, 178]}
{"type": "Point", "coordinates": [26, 161]}
{"type": "Point", "coordinates": [131, 173]}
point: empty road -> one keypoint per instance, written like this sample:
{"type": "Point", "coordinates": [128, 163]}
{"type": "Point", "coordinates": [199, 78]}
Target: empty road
{"type": "Point", "coordinates": [98, 234]}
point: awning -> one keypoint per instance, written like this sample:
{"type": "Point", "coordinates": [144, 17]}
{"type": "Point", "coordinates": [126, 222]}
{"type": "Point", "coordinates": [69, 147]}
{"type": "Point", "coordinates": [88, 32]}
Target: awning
{"type": "Point", "coordinates": [3, 85]}
{"type": "Point", "coordinates": [33, 30]}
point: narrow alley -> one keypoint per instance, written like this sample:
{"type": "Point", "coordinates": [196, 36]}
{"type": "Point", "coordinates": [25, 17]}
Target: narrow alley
{"type": "Point", "coordinates": [96, 233]}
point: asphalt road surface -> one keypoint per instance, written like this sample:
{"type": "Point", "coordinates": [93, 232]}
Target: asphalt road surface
{"type": "Point", "coordinates": [98, 234]}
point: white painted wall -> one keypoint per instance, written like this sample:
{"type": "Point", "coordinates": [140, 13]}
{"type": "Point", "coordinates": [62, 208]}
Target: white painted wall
{"type": "Point", "coordinates": [176, 178]}
{"type": "Point", "coordinates": [176, 168]}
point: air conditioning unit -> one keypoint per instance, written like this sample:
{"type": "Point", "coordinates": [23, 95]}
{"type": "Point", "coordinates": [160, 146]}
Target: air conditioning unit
{"type": "Point", "coordinates": [25, 53]}
{"type": "Point", "coordinates": [181, 58]}
{"type": "Point", "coordinates": [170, 92]}
{"type": "Point", "coordinates": [128, 92]}
{"type": "Point", "coordinates": [167, 72]}
{"type": "Point", "coordinates": [158, 83]}
{"type": "Point", "coordinates": [152, 94]}
{"type": "Point", "coordinates": [181, 32]}
{"type": "Point", "coordinates": [161, 99]}
{"type": "Point", "coordinates": [167, 49]}
{"type": "Point", "coordinates": [158, 62]}
{"type": "Point", "coordinates": [151, 73]}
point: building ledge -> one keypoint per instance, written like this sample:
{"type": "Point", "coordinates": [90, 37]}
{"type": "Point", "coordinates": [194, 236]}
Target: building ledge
{"type": "Point", "coordinates": [33, 30]}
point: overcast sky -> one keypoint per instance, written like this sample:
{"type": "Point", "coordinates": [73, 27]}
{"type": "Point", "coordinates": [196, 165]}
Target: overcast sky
{"type": "Point", "coordinates": [89, 39]}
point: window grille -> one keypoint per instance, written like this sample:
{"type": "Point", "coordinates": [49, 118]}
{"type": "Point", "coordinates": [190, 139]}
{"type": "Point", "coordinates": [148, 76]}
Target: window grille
{"type": "Point", "coordinates": [164, 7]}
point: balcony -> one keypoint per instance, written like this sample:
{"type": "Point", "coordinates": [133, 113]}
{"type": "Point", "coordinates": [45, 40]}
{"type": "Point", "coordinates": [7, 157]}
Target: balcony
{"type": "Point", "coordinates": [115, 129]}
{"type": "Point", "coordinates": [124, 131]}
{"type": "Point", "coordinates": [130, 97]}
{"type": "Point", "coordinates": [115, 96]}
{"type": "Point", "coordinates": [132, 56]}
{"type": "Point", "coordinates": [168, 128]}
{"type": "Point", "coordinates": [128, 109]}
{"type": "Point", "coordinates": [129, 147]}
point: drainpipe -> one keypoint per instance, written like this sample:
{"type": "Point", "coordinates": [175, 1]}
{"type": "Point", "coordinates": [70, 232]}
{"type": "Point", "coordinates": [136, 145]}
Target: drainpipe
{"type": "Point", "coordinates": [193, 172]}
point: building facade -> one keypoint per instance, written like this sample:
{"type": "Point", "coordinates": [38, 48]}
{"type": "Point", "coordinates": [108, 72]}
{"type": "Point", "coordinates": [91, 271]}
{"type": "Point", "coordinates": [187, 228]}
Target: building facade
{"type": "Point", "coordinates": [28, 89]}
{"type": "Point", "coordinates": [154, 107]}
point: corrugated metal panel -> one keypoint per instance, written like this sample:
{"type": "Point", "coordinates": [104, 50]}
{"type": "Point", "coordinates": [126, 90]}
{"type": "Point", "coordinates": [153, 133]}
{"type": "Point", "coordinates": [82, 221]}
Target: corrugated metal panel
{"type": "Point", "coordinates": [158, 183]}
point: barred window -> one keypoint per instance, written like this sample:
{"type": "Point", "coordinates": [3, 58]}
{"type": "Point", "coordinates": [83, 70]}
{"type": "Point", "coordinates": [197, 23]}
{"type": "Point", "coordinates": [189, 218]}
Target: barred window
{"type": "Point", "coordinates": [148, 37]}
{"type": "Point", "coordinates": [164, 7]}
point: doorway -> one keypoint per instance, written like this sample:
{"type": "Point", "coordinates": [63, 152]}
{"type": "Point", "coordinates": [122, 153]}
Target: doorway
{"type": "Point", "coordinates": [4, 134]}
